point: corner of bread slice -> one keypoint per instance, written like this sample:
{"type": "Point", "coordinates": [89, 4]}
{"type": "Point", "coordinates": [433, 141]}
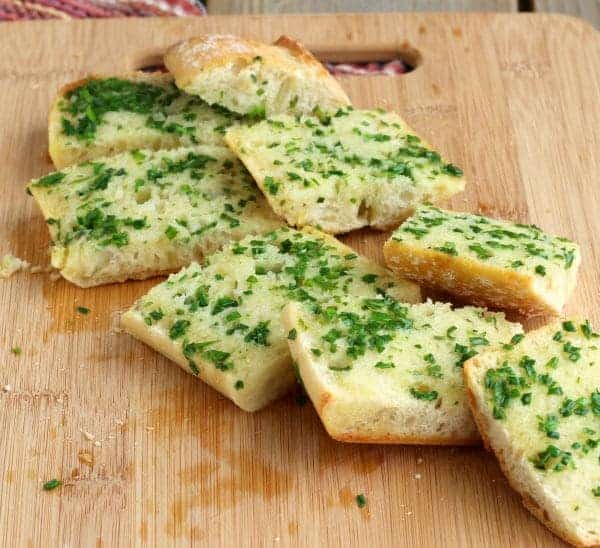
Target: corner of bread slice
{"type": "Point", "coordinates": [307, 58]}
{"type": "Point", "coordinates": [64, 150]}
{"type": "Point", "coordinates": [473, 369]}
{"type": "Point", "coordinates": [296, 49]}
{"type": "Point", "coordinates": [262, 385]}
{"type": "Point", "coordinates": [471, 281]}
{"type": "Point", "coordinates": [402, 289]}
{"type": "Point", "coordinates": [496, 440]}
{"type": "Point", "coordinates": [541, 491]}
{"type": "Point", "coordinates": [330, 218]}
{"type": "Point", "coordinates": [154, 336]}
{"type": "Point", "coordinates": [352, 419]}
{"type": "Point", "coordinates": [321, 395]}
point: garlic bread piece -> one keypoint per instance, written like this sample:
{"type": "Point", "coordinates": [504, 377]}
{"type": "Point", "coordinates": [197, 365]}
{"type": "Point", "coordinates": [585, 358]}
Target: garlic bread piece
{"type": "Point", "coordinates": [343, 171]}
{"type": "Point", "coordinates": [103, 116]}
{"type": "Point", "coordinates": [222, 321]}
{"type": "Point", "coordinates": [144, 213]}
{"type": "Point", "coordinates": [379, 371]}
{"type": "Point", "coordinates": [253, 78]}
{"type": "Point", "coordinates": [486, 261]}
{"type": "Point", "coordinates": [537, 405]}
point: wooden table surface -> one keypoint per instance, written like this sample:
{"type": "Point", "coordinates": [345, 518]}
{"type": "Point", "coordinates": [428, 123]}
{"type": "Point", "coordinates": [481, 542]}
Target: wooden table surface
{"type": "Point", "coordinates": [586, 9]}
{"type": "Point", "coordinates": [151, 456]}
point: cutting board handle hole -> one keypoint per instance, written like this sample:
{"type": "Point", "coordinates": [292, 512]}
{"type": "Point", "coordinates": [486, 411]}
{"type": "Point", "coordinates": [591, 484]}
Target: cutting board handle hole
{"type": "Point", "coordinates": [358, 63]}
{"type": "Point", "coordinates": [353, 63]}
{"type": "Point", "coordinates": [389, 67]}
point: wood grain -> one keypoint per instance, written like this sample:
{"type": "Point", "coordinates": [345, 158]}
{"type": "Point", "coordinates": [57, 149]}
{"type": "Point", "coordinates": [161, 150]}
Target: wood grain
{"type": "Point", "coordinates": [319, 6]}
{"type": "Point", "coordinates": [586, 9]}
{"type": "Point", "coordinates": [175, 464]}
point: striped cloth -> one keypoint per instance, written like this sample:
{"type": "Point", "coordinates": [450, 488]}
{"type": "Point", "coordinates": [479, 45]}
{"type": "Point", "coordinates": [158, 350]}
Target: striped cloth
{"type": "Point", "coordinates": [16, 10]}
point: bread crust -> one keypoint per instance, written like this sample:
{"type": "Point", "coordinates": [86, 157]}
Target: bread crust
{"type": "Point", "coordinates": [102, 280]}
{"type": "Point", "coordinates": [196, 61]}
{"type": "Point", "coordinates": [133, 323]}
{"type": "Point", "coordinates": [299, 51]}
{"type": "Point", "coordinates": [483, 285]}
{"type": "Point", "coordinates": [483, 422]}
{"type": "Point", "coordinates": [325, 403]}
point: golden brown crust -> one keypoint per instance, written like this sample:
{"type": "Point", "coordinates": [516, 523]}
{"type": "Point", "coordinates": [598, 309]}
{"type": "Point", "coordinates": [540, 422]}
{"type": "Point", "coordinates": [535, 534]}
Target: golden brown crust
{"type": "Point", "coordinates": [299, 51]}
{"type": "Point", "coordinates": [93, 282]}
{"type": "Point", "coordinates": [193, 61]}
{"type": "Point", "coordinates": [188, 57]}
{"type": "Point", "coordinates": [482, 422]}
{"type": "Point", "coordinates": [483, 285]}
{"type": "Point", "coordinates": [388, 439]}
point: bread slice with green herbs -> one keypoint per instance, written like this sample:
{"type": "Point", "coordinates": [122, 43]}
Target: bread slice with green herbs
{"type": "Point", "coordinates": [144, 213]}
{"type": "Point", "coordinates": [222, 321]}
{"type": "Point", "coordinates": [485, 261]}
{"type": "Point", "coordinates": [537, 405]}
{"type": "Point", "coordinates": [343, 171]}
{"type": "Point", "coordinates": [249, 77]}
{"type": "Point", "coordinates": [103, 116]}
{"type": "Point", "coordinates": [379, 371]}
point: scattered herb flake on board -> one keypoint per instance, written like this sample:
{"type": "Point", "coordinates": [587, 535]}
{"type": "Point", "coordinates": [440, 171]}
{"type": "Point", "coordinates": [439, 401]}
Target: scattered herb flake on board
{"type": "Point", "coordinates": [52, 484]}
{"type": "Point", "coordinates": [16, 350]}
{"type": "Point", "coordinates": [361, 500]}
{"type": "Point", "coordinates": [83, 310]}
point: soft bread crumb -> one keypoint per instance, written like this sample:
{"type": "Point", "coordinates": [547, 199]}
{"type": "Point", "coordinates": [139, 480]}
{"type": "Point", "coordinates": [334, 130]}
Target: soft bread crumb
{"type": "Point", "coordinates": [536, 402]}
{"type": "Point", "coordinates": [231, 309]}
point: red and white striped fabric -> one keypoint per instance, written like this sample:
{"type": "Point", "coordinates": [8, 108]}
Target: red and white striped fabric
{"type": "Point", "coordinates": [388, 68]}
{"type": "Point", "coordinates": [17, 10]}
{"type": "Point", "coordinates": [14, 10]}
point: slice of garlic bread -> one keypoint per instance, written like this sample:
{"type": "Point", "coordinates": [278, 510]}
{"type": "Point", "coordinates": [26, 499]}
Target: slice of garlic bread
{"type": "Point", "coordinates": [537, 405]}
{"type": "Point", "coordinates": [379, 371]}
{"type": "Point", "coordinates": [486, 261]}
{"type": "Point", "coordinates": [352, 169]}
{"type": "Point", "coordinates": [249, 77]}
{"type": "Point", "coordinates": [222, 322]}
{"type": "Point", "coordinates": [103, 116]}
{"type": "Point", "coordinates": [143, 213]}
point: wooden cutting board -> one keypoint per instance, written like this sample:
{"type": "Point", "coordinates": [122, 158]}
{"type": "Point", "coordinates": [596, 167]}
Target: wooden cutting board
{"type": "Point", "coordinates": [150, 456]}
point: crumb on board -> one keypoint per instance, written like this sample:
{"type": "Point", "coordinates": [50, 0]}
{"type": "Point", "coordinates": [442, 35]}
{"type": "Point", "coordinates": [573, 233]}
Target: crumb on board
{"type": "Point", "coordinates": [88, 436]}
{"type": "Point", "coordinates": [85, 457]}
{"type": "Point", "coordinates": [10, 265]}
